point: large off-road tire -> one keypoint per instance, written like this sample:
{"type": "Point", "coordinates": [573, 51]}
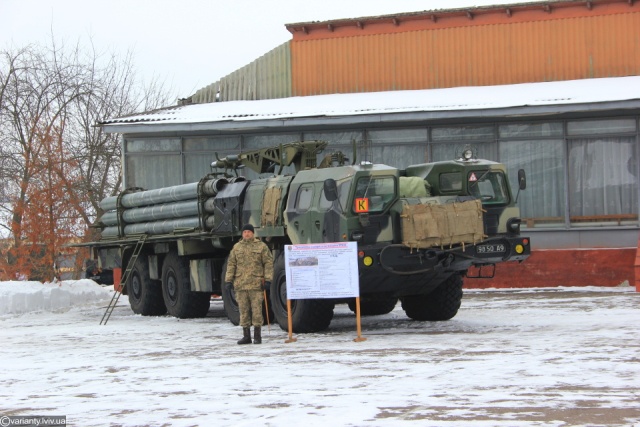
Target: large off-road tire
{"type": "Point", "coordinates": [441, 304]}
{"type": "Point", "coordinates": [374, 305]}
{"type": "Point", "coordinates": [180, 301]}
{"type": "Point", "coordinates": [308, 315]}
{"type": "Point", "coordinates": [230, 304]}
{"type": "Point", "coordinates": [145, 294]}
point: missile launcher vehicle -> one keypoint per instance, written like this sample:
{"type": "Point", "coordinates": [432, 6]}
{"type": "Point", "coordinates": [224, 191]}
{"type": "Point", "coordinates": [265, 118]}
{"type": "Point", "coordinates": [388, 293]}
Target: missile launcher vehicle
{"type": "Point", "coordinates": [420, 231]}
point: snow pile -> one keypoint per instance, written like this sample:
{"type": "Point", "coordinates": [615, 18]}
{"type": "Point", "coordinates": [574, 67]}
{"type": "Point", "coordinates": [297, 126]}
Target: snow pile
{"type": "Point", "coordinates": [26, 297]}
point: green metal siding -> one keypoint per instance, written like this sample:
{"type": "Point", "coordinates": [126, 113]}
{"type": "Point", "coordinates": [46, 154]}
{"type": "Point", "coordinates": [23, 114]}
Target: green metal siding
{"type": "Point", "coordinates": [267, 77]}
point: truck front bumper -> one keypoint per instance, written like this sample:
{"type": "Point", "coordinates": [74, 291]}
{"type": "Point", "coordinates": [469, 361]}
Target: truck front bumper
{"type": "Point", "coordinates": [402, 260]}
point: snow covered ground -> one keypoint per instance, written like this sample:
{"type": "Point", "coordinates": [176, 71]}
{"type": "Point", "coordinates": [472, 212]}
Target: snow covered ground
{"type": "Point", "coordinates": [542, 357]}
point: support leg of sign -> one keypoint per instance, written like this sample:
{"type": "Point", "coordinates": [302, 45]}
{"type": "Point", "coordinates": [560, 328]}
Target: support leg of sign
{"type": "Point", "coordinates": [290, 323]}
{"type": "Point", "coordinates": [358, 326]}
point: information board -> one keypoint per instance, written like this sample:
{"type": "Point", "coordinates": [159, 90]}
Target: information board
{"type": "Point", "coordinates": [323, 270]}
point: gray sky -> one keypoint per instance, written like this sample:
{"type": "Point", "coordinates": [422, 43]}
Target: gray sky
{"type": "Point", "coordinates": [187, 43]}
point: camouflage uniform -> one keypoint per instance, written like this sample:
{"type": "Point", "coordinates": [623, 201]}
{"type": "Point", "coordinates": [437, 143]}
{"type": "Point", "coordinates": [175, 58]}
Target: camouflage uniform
{"type": "Point", "coordinates": [250, 263]}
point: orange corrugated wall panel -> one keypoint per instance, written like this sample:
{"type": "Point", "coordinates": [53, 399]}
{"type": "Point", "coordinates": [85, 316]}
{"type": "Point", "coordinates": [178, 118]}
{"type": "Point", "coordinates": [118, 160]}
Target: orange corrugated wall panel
{"type": "Point", "coordinates": [488, 50]}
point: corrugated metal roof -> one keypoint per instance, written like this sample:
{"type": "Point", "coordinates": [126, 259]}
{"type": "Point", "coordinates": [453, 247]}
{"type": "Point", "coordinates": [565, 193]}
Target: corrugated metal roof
{"type": "Point", "coordinates": [428, 100]}
{"type": "Point", "coordinates": [292, 27]}
{"type": "Point", "coordinates": [471, 12]}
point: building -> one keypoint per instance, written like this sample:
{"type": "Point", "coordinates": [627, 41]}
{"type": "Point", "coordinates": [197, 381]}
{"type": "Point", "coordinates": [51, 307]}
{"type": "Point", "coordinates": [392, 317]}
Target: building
{"type": "Point", "coordinates": [551, 87]}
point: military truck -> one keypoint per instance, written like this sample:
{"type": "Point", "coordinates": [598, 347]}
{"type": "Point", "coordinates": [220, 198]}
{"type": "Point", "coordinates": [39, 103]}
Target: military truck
{"type": "Point", "coordinates": [419, 231]}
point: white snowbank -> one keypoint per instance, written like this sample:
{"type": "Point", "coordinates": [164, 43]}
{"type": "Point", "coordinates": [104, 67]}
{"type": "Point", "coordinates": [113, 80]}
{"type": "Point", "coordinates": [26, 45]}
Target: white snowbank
{"type": "Point", "coordinates": [26, 297]}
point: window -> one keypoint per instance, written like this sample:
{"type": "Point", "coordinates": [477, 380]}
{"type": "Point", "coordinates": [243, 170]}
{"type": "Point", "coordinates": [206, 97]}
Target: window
{"type": "Point", "coordinates": [603, 181]}
{"type": "Point", "coordinates": [542, 204]}
{"type": "Point", "coordinates": [451, 182]}
{"type": "Point", "coordinates": [398, 147]}
{"type": "Point", "coordinates": [153, 144]}
{"type": "Point", "coordinates": [305, 197]}
{"type": "Point", "coordinates": [587, 180]}
{"type": "Point", "coordinates": [198, 165]}
{"type": "Point", "coordinates": [463, 133]}
{"type": "Point", "coordinates": [601, 127]}
{"type": "Point", "coordinates": [448, 143]}
{"type": "Point", "coordinates": [151, 172]}
{"type": "Point", "coordinates": [488, 186]}
{"type": "Point", "coordinates": [374, 194]}
{"type": "Point", "coordinates": [200, 152]}
{"type": "Point", "coordinates": [213, 144]}
{"type": "Point", "coordinates": [325, 204]}
{"type": "Point", "coordinates": [531, 130]}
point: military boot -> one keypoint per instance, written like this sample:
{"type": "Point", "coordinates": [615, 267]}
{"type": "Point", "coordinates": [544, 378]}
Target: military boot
{"type": "Point", "coordinates": [246, 339]}
{"type": "Point", "coordinates": [257, 337]}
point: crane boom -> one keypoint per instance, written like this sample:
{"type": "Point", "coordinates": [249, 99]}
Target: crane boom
{"type": "Point", "coordinates": [302, 154]}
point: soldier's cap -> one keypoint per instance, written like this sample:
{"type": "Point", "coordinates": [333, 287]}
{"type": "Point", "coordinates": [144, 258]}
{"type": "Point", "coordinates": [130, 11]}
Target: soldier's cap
{"type": "Point", "coordinates": [248, 227]}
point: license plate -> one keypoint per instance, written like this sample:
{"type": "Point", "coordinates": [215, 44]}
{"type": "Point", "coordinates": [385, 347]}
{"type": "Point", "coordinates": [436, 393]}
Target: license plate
{"type": "Point", "coordinates": [491, 249]}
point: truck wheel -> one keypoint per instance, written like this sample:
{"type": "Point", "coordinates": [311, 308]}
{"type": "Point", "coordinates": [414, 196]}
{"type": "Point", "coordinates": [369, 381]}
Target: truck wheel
{"type": "Point", "coordinates": [374, 305]}
{"type": "Point", "coordinates": [145, 295]}
{"type": "Point", "coordinates": [176, 289]}
{"type": "Point", "coordinates": [441, 304]}
{"type": "Point", "coordinates": [231, 308]}
{"type": "Point", "coordinates": [308, 315]}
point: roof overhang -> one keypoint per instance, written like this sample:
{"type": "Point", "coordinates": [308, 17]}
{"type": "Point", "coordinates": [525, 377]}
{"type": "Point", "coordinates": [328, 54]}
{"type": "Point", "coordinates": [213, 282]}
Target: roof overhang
{"type": "Point", "coordinates": [379, 108]}
{"type": "Point", "coordinates": [436, 15]}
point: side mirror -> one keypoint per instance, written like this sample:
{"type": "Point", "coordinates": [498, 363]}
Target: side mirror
{"type": "Point", "coordinates": [330, 189]}
{"type": "Point", "coordinates": [522, 179]}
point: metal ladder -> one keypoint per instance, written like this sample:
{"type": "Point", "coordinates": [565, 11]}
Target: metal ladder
{"type": "Point", "coordinates": [123, 281]}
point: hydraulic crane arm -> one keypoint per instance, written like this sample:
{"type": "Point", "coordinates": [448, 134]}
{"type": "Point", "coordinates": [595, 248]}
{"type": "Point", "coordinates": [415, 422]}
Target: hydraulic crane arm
{"type": "Point", "coordinates": [302, 154]}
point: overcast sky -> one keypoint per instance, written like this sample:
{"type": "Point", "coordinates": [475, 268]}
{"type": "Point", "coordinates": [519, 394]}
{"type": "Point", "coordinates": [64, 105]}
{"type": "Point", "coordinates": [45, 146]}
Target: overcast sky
{"type": "Point", "coordinates": [187, 43]}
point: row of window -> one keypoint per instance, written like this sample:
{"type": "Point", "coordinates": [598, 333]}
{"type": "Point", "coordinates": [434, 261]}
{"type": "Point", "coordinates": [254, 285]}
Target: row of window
{"type": "Point", "coordinates": [579, 173]}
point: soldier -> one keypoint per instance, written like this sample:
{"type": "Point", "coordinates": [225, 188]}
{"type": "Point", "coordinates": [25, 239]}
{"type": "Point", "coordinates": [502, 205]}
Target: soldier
{"type": "Point", "coordinates": [249, 268]}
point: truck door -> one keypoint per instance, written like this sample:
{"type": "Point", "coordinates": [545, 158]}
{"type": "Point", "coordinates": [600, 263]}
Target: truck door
{"type": "Point", "coordinates": [300, 217]}
{"type": "Point", "coordinates": [373, 197]}
{"type": "Point", "coordinates": [320, 218]}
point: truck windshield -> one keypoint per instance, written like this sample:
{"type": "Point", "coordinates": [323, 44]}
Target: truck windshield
{"type": "Point", "coordinates": [488, 186]}
{"type": "Point", "coordinates": [344, 186]}
{"type": "Point", "coordinates": [374, 194]}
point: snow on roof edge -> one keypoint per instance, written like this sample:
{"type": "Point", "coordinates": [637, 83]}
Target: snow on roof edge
{"type": "Point", "coordinates": [423, 100]}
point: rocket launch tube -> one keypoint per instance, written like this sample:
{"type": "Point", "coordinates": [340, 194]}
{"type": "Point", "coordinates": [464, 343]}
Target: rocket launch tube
{"type": "Point", "coordinates": [160, 211]}
{"type": "Point", "coordinates": [164, 195]}
{"type": "Point", "coordinates": [109, 218]}
{"type": "Point", "coordinates": [157, 212]}
{"type": "Point", "coordinates": [166, 211]}
{"type": "Point", "coordinates": [152, 197]}
{"type": "Point", "coordinates": [155, 227]}
{"type": "Point", "coordinates": [162, 227]}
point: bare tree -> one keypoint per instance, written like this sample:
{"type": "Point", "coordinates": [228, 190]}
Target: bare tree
{"type": "Point", "coordinates": [50, 101]}
{"type": "Point", "coordinates": [114, 92]}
